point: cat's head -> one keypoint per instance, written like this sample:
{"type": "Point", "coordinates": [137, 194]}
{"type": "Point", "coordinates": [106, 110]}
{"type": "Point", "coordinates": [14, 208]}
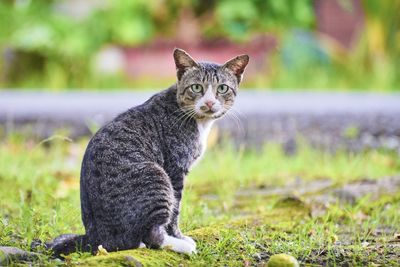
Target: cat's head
{"type": "Point", "coordinates": [207, 90]}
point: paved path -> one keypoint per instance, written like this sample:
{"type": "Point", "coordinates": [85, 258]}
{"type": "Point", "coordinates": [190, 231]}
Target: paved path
{"type": "Point", "coordinates": [355, 119]}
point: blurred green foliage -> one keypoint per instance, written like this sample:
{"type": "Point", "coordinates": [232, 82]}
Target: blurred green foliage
{"type": "Point", "coordinates": [55, 50]}
{"type": "Point", "coordinates": [239, 19]}
{"type": "Point", "coordinates": [373, 63]}
{"type": "Point", "coordinates": [50, 44]}
{"type": "Point", "coordinates": [44, 46]}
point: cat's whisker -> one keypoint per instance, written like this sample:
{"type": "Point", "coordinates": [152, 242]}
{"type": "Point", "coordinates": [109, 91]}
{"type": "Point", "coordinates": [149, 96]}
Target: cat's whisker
{"type": "Point", "coordinates": [179, 119]}
{"type": "Point", "coordinates": [183, 117]}
{"type": "Point", "coordinates": [234, 117]}
{"type": "Point", "coordinates": [183, 109]}
{"type": "Point", "coordinates": [190, 116]}
{"type": "Point", "coordinates": [239, 113]}
{"type": "Point", "coordinates": [239, 122]}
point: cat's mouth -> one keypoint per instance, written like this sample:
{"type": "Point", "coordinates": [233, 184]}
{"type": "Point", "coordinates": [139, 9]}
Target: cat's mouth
{"type": "Point", "coordinates": [210, 114]}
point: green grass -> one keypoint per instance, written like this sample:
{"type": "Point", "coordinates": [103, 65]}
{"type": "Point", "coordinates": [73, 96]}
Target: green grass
{"type": "Point", "coordinates": [39, 193]}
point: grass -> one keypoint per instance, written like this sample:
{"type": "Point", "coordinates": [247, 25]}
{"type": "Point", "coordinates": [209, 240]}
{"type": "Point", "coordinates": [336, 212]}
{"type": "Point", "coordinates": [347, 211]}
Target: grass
{"type": "Point", "coordinates": [39, 192]}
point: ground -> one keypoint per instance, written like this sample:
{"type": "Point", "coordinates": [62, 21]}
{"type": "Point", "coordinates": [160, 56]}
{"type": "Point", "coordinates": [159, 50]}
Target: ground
{"type": "Point", "coordinates": [241, 205]}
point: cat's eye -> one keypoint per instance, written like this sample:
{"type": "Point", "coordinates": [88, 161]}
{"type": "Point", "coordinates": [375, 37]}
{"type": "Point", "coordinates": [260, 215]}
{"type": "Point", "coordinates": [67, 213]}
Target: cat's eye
{"type": "Point", "coordinates": [222, 89]}
{"type": "Point", "coordinates": [196, 88]}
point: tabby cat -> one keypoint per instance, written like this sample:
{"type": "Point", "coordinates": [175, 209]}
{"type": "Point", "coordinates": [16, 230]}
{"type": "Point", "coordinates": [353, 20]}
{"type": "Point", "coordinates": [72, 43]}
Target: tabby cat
{"type": "Point", "coordinates": [134, 167]}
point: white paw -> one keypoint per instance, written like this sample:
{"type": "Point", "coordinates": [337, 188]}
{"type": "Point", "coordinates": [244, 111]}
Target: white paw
{"type": "Point", "coordinates": [189, 239]}
{"type": "Point", "coordinates": [178, 245]}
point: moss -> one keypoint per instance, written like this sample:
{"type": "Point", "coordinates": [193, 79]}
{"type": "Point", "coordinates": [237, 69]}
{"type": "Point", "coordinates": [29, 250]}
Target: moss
{"type": "Point", "coordinates": [135, 257]}
{"type": "Point", "coordinates": [219, 239]}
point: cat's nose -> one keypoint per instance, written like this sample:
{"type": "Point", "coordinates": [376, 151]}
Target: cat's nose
{"type": "Point", "coordinates": [209, 104]}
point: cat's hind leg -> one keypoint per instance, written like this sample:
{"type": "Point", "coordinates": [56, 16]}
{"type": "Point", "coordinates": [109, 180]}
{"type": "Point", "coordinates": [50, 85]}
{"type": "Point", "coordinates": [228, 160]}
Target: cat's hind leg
{"type": "Point", "coordinates": [131, 203]}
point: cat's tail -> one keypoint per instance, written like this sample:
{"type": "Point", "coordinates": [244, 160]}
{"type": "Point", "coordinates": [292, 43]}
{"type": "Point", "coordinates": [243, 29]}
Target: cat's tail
{"type": "Point", "coordinates": [65, 244]}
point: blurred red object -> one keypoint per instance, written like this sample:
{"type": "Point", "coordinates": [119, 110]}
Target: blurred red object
{"type": "Point", "coordinates": [156, 58]}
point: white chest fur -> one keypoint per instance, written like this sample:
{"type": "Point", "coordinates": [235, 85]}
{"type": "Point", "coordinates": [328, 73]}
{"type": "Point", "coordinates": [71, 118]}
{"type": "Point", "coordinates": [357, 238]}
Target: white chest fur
{"type": "Point", "coordinates": [204, 128]}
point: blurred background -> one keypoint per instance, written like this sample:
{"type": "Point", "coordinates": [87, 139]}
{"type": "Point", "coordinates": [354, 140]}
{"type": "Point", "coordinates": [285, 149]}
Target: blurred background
{"type": "Point", "coordinates": [326, 70]}
{"type": "Point", "coordinates": [316, 122]}
{"type": "Point", "coordinates": [100, 44]}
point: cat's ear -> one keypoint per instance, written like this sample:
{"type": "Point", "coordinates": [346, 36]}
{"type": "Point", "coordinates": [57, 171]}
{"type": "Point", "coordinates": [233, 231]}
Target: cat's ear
{"type": "Point", "coordinates": [183, 62]}
{"type": "Point", "coordinates": [237, 65]}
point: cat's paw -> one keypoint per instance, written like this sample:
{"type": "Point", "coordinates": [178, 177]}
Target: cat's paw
{"type": "Point", "coordinates": [179, 245]}
{"type": "Point", "coordinates": [192, 250]}
{"type": "Point", "coordinates": [189, 239]}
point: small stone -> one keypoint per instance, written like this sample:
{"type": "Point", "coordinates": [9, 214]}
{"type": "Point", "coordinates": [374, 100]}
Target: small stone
{"type": "Point", "coordinates": [282, 260]}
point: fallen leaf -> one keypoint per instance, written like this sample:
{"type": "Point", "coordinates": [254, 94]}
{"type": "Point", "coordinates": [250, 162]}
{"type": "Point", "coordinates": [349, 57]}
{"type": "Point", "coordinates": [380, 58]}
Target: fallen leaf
{"type": "Point", "coordinates": [101, 251]}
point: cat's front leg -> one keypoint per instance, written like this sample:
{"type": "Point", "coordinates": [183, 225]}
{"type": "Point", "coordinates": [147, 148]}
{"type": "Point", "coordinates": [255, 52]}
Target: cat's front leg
{"type": "Point", "coordinates": [173, 227]}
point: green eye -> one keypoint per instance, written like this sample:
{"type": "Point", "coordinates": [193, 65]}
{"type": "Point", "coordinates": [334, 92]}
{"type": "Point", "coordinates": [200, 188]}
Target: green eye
{"type": "Point", "coordinates": [196, 88]}
{"type": "Point", "coordinates": [222, 89]}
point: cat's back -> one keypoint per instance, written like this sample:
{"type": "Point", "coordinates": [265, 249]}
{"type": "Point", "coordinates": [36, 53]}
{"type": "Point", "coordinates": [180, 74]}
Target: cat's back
{"type": "Point", "coordinates": [135, 135]}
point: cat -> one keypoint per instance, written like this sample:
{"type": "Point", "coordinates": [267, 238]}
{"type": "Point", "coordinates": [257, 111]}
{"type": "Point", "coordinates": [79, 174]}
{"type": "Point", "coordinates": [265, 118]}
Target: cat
{"type": "Point", "coordinates": [134, 167]}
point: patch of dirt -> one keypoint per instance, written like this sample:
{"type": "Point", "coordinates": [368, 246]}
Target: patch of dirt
{"type": "Point", "coordinates": [341, 255]}
{"type": "Point", "coordinates": [299, 187]}
{"type": "Point", "coordinates": [322, 192]}
{"type": "Point", "coordinates": [10, 254]}
{"type": "Point", "coordinates": [351, 193]}
{"type": "Point", "coordinates": [381, 246]}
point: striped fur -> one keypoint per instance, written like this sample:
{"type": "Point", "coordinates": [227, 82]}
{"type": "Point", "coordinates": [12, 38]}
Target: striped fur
{"type": "Point", "coordinates": [133, 171]}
